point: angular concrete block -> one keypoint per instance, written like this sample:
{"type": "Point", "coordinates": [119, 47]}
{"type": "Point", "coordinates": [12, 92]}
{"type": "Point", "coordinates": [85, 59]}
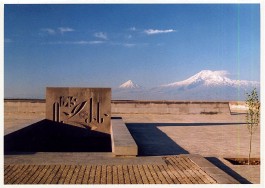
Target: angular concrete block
{"type": "Point", "coordinates": [85, 107]}
{"type": "Point", "coordinates": [122, 141]}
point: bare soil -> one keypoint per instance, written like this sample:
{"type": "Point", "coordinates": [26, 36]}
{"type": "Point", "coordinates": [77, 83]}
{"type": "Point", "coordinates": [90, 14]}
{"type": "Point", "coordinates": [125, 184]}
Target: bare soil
{"type": "Point", "coordinates": [243, 161]}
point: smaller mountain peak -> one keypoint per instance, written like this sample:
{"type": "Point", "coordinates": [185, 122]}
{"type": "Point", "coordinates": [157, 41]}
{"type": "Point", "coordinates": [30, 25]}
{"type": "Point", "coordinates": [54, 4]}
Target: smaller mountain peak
{"type": "Point", "coordinates": [129, 84]}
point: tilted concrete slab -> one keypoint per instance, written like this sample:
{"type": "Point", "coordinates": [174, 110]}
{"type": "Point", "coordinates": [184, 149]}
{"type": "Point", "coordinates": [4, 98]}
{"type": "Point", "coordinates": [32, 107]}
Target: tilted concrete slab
{"type": "Point", "coordinates": [122, 142]}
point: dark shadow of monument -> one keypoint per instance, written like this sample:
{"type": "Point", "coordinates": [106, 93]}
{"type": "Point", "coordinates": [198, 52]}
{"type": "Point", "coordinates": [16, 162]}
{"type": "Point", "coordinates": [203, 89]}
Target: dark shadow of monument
{"type": "Point", "coordinates": [228, 170]}
{"type": "Point", "coordinates": [50, 136]}
{"type": "Point", "coordinates": [153, 142]}
{"type": "Point", "coordinates": [188, 124]}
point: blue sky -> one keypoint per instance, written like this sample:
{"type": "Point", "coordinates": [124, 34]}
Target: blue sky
{"type": "Point", "coordinates": [106, 45]}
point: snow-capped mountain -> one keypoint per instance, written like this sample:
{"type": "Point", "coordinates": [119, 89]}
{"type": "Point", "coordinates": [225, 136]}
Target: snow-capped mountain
{"type": "Point", "coordinates": [211, 78]}
{"type": "Point", "coordinates": [129, 91]}
{"type": "Point", "coordinates": [205, 85]}
{"type": "Point", "coordinates": [129, 85]}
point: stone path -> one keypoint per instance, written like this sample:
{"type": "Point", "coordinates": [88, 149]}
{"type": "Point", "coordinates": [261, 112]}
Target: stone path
{"type": "Point", "coordinates": [176, 170]}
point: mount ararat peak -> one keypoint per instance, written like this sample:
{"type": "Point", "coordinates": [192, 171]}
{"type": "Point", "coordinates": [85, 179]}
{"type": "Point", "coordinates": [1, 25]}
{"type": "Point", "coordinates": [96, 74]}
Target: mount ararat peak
{"type": "Point", "coordinates": [211, 78]}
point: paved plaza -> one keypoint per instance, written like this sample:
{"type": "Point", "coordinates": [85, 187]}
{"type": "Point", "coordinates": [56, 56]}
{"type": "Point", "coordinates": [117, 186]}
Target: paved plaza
{"type": "Point", "coordinates": [164, 170]}
{"type": "Point", "coordinates": [167, 145]}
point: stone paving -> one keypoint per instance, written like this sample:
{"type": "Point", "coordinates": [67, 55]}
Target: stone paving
{"type": "Point", "coordinates": [176, 170]}
{"type": "Point", "coordinates": [245, 174]}
{"type": "Point", "coordinates": [206, 135]}
{"type": "Point", "coordinates": [212, 136]}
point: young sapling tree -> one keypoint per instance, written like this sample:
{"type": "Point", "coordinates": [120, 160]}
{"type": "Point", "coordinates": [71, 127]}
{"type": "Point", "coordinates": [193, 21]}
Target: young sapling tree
{"type": "Point", "coordinates": [253, 116]}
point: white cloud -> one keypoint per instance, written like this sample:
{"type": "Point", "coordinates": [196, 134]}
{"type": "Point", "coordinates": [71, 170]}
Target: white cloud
{"type": "Point", "coordinates": [129, 45]}
{"type": "Point", "coordinates": [81, 42]}
{"type": "Point", "coordinates": [157, 31]}
{"type": "Point", "coordinates": [132, 29]}
{"type": "Point", "coordinates": [86, 42]}
{"type": "Point", "coordinates": [129, 36]}
{"type": "Point", "coordinates": [96, 42]}
{"type": "Point", "coordinates": [48, 31]}
{"type": "Point", "coordinates": [101, 35]}
{"type": "Point", "coordinates": [51, 31]}
{"type": "Point", "coordinates": [160, 44]}
{"type": "Point", "coordinates": [65, 29]}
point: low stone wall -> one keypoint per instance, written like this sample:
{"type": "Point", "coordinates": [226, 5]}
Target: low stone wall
{"type": "Point", "coordinates": [238, 107]}
{"type": "Point", "coordinates": [131, 107]}
{"type": "Point", "coordinates": [24, 106]}
{"type": "Point", "coordinates": [169, 107]}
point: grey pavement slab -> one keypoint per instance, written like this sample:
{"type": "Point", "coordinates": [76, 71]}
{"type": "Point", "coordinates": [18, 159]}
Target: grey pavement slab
{"type": "Point", "coordinates": [44, 158]}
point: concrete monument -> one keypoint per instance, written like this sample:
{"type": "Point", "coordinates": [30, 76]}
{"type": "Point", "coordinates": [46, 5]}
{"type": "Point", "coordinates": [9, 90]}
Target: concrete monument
{"type": "Point", "coordinates": [83, 107]}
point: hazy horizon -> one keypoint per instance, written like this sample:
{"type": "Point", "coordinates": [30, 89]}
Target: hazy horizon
{"type": "Point", "coordinates": [206, 85]}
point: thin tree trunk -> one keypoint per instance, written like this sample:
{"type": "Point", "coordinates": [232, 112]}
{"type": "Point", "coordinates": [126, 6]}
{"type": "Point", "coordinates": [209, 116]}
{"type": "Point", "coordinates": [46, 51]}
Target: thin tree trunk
{"type": "Point", "coordinates": [250, 141]}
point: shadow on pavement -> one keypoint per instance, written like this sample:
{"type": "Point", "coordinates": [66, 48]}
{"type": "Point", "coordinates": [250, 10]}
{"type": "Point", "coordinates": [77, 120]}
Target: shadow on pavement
{"type": "Point", "coordinates": [153, 142]}
{"type": "Point", "coordinates": [50, 136]}
{"type": "Point", "coordinates": [238, 113]}
{"type": "Point", "coordinates": [228, 170]}
{"type": "Point", "coordinates": [189, 124]}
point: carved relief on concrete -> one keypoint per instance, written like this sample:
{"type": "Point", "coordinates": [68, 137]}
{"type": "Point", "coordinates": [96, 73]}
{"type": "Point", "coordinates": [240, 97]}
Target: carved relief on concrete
{"type": "Point", "coordinates": [83, 107]}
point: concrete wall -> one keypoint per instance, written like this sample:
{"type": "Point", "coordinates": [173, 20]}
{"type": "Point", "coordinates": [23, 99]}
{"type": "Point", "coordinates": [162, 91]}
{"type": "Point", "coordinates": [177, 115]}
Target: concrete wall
{"type": "Point", "coordinates": [238, 107]}
{"type": "Point", "coordinates": [24, 106]}
{"type": "Point", "coordinates": [169, 107]}
{"type": "Point", "coordinates": [130, 107]}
